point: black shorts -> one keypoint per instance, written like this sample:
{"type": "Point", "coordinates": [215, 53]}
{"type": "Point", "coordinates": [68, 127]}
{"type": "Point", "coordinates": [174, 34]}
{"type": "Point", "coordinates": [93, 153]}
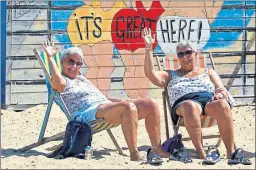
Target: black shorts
{"type": "Point", "coordinates": [201, 98]}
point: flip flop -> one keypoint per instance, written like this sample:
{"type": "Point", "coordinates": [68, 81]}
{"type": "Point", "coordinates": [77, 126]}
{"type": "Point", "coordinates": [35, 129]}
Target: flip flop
{"type": "Point", "coordinates": [212, 157]}
{"type": "Point", "coordinates": [238, 158]}
{"type": "Point", "coordinates": [153, 158]}
{"type": "Point", "coordinates": [180, 155]}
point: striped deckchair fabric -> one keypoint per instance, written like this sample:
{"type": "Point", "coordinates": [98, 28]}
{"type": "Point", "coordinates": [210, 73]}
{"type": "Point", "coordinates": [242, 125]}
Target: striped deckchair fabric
{"type": "Point", "coordinates": [172, 63]}
{"type": "Point", "coordinates": [97, 125]}
{"type": "Point", "coordinates": [100, 126]}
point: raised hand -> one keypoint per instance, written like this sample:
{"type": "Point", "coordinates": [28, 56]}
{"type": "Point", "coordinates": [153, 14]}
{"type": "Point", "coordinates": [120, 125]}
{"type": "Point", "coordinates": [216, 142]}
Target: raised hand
{"type": "Point", "coordinates": [49, 48]}
{"type": "Point", "coordinates": [148, 38]}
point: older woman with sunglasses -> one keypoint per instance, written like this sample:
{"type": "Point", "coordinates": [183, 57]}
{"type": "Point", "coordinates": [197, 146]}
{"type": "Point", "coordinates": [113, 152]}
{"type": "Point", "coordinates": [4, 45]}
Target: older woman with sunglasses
{"type": "Point", "coordinates": [83, 98]}
{"type": "Point", "coordinates": [194, 91]}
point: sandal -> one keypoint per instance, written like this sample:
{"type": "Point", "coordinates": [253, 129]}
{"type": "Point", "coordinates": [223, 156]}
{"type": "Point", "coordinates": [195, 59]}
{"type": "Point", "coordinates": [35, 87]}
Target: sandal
{"type": "Point", "coordinates": [237, 158]}
{"type": "Point", "coordinates": [153, 158]}
{"type": "Point", "coordinates": [212, 157]}
{"type": "Point", "coordinates": [180, 155]}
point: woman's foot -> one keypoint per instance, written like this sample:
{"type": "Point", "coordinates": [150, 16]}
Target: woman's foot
{"type": "Point", "coordinates": [135, 156]}
{"type": "Point", "coordinates": [160, 151]}
{"type": "Point", "coordinates": [201, 154]}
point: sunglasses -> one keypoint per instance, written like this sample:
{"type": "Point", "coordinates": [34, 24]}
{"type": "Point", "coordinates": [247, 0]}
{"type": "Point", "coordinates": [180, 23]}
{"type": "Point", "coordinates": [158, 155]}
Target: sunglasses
{"type": "Point", "coordinates": [182, 54]}
{"type": "Point", "coordinates": [73, 63]}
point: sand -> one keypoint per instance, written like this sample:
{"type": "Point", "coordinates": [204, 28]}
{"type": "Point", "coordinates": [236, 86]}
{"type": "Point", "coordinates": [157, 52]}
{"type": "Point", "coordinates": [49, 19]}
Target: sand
{"type": "Point", "coordinates": [19, 129]}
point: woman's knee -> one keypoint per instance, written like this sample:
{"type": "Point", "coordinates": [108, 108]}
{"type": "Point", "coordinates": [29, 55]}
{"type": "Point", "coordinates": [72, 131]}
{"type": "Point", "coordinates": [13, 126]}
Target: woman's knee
{"type": "Point", "coordinates": [189, 109]}
{"type": "Point", "coordinates": [151, 104]}
{"type": "Point", "coordinates": [219, 107]}
{"type": "Point", "coordinates": [129, 107]}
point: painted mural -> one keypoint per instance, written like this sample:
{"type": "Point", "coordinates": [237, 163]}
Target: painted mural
{"type": "Point", "coordinates": [107, 30]}
{"type": "Point", "coordinates": [109, 34]}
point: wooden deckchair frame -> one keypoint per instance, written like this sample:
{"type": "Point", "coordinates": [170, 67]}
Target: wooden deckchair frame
{"type": "Point", "coordinates": [95, 124]}
{"type": "Point", "coordinates": [168, 108]}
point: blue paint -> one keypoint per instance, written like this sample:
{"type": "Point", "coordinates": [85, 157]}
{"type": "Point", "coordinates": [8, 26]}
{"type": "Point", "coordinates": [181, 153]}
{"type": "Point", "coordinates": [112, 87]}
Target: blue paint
{"type": "Point", "coordinates": [60, 19]}
{"type": "Point", "coordinates": [232, 18]}
{"type": "Point", "coordinates": [158, 50]}
{"type": "Point", "coordinates": [65, 3]}
{"type": "Point", "coordinates": [236, 2]}
{"type": "Point", "coordinates": [3, 52]}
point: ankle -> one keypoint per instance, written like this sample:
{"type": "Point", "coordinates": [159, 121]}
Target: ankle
{"type": "Point", "coordinates": [154, 149]}
{"type": "Point", "coordinates": [229, 153]}
{"type": "Point", "coordinates": [135, 156]}
{"type": "Point", "coordinates": [160, 151]}
{"type": "Point", "coordinates": [201, 154]}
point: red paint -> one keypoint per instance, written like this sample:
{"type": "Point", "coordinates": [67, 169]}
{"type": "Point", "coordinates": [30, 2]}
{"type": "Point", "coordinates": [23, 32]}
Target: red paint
{"type": "Point", "coordinates": [127, 25]}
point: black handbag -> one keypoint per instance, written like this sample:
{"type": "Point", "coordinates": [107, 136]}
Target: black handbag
{"type": "Point", "coordinates": [78, 135]}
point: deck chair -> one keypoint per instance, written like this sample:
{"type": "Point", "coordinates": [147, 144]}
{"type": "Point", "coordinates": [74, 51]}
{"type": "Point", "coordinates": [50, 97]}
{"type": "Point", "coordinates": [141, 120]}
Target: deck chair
{"type": "Point", "coordinates": [206, 121]}
{"type": "Point", "coordinates": [97, 125]}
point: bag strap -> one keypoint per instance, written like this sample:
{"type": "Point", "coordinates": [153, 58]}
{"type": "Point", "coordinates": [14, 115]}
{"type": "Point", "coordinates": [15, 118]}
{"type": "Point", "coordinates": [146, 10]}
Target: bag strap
{"type": "Point", "coordinates": [72, 142]}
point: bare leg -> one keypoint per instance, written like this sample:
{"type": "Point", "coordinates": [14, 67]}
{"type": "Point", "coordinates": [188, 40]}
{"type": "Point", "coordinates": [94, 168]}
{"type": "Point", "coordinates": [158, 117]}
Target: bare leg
{"type": "Point", "coordinates": [149, 110]}
{"type": "Point", "coordinates": [124, 113]}
{"type": "Point", "coordinates": [191, 112]}
{"type": "Point", "coordinates": [220, 110]}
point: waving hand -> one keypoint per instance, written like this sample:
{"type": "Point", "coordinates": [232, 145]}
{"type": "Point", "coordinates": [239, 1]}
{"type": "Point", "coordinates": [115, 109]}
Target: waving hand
{"type": "Point", "coordinates": [148, 38]}
{"type": "Point", "coordinates": [49, 48]}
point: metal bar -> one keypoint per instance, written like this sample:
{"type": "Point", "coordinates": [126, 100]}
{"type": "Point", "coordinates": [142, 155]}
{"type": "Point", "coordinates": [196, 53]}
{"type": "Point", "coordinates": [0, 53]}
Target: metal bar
{"type": "Point", "coordinates": [42, 82]}
{"type": "Point", "coordinates": [3, 55]}
{"type": "Point", "coordinates": [44, 32]}
{"type": "Point", "coordinates": [231, 29]}
{"type": "Point", "coordinates": [46, 117]}
{"type": "Point", "coordinates": [247, 63]}
{"type": "Point", "coordinates": [212, 62]}
{"type": "Point", "coordinates": [110, 19]}
{"type": "Point", "coordinates": [118, 79]}
{"type": "Point", "coordinates": [49, 21]}
{"type": "Point", "coordinates": [204, 137]}
{"type": "Point", "coordinates": [244, 96]}
{"type": "Point", "coordinates": [115, 142]}
{"type": "Point", "coordinates": [72, 7]}
{"type": "Point", "coordinates": [236, 75]}
{"type": "Point", "coordinates": [219, 54]}
{"type": "Point", "coordinates": [214, 54]}
{"type": "Point", "coordinates": [44, 140]}
{"type": "Point", "coordinates": [26, 82]}
{"type": "Point", "coordinates": [243, 59]}
{"type": "Point", "coordinates": [165, 114]}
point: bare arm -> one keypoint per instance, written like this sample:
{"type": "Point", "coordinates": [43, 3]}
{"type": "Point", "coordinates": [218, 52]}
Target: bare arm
{"type": "Point", "coordinates": [114, 99]}
{"type": "Point", "coordinates": [58, 81]}
{"type": "Point", "coordinates": [220, 91]}
{"type": "Point", "coordinates": [158, 78]}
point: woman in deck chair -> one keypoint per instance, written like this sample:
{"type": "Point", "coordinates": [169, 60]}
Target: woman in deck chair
{"type": "Point", "coordinates": [83, 98]}
{"type": "Point", "coordinates": [194, 91]}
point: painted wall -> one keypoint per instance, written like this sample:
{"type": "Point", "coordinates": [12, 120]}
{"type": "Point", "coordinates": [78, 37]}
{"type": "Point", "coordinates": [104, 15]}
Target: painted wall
{"type": "Point", "coordinates": [109, 33]}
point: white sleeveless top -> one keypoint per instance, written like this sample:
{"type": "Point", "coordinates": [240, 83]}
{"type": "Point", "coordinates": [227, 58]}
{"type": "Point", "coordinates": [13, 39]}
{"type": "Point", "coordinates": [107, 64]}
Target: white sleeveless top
{"type": "Point", "coordinates": [180, 86]}
{"type": "Point", "coordinates": [80, 94]}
